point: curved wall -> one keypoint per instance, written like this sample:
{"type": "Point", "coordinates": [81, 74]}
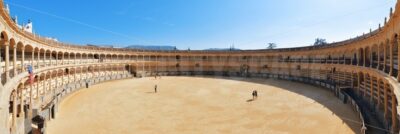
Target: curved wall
{"type": "Point", "coordinates": [369, 65]}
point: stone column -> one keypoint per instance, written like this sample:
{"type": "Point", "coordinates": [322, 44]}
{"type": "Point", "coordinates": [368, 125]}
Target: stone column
{"type": "Point", "coordinates": [69, 58]}
{"type": "Point", "coordinates": [14, 114]}
{"type": "Point", "coordinates": [371, 61]}
{"type": "Point", "coordinates": [358, 58]}
{"type": "Point", "coordinates": [75, 59]}
{"type": "Point", "coordinates": [371, 80]}
{"type": "Point", "coordinates": [37, 89]}
{"type": "Point", "coordinates": [365, 58]}
{"type": "Point", "coordinates": [74, 74]}
{"type": "Point", "coordinates": [56, 83]}
{"type": "Point", "coordinates": [33, 58]}
{"type": "Point", "coordinates": [398, 59]}
{"type": "Point", "coordinates": [30, 101]}
{"type": "Point", "coordinates": [22, 102]}
{"type": "Point", "coordinates": [391, 60]}
{"type": "Point", "coordinates": [385, 100]}
{"type": "Point", "coordinates": [56, 58]}
{"type": "Point", "coordinates": [365, 85]}
{"type": "Point", "coordinates": [379, 92]}
{"type": "Point", "coordinates": [44, 85]}
{"type": "Point", "coordinates": [359, 84]}
{"type": "Point", "coordinates": [38, 58]}
{"type": "Point", "coordinates": [379, 58]}
{"type": "Point", "coordinates": [15, 60]}
{"type": "Point", "coordinates": [44, 59]}
{"type": "Point", "coordinates": [62, 59]}
{"type": "Point", "coordinates": [394, 113]}
{"type": "Point", "coordinates": [384, 57]}
{"type": "Point", "coordinates": [51, 58]}
{"type": "Point", "coordinates": [7, 45]}
{"type": "Point", "coordinates": [23, 68]}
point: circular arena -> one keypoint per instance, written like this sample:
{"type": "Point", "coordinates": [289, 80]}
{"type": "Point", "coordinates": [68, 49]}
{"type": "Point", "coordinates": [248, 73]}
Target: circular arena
{"type": "Point", "coordinates": [47, 86]}
{"type": "Point", "coordinates": [203, 105]}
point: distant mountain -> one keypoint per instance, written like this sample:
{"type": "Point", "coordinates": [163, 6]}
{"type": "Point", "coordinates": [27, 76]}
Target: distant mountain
{"type": "Point", "coordinates": [151, 47]}
{"type": "Point", "coordinates": [221, 49]}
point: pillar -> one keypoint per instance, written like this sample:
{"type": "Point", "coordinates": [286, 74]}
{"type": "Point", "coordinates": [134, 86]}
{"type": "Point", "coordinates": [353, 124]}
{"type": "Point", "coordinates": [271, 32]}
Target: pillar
{"type": "Point", "coordinates": [391, 59]}
{"type": "Point", "coordinates": [37, 88]}
{"type": "Point", "coordinates": [379, 92]}
{"type": "Point", "coordinates": [365, 84]}
{"type": "Point", "coordinates": [371, 58]}
{"type": "Point", "coordinates": [56, 58]}
{"type": "Point", "coordinates": [62, 59]}
{"type": "Point", "coordinates": [384, 57]}
{"type": "Point", "coordinates": [51, 58]}
{"type": "Point", "coordinates": [69, 58]}
{"type": "Point", "coordinates": [385, 100]}
{"type": "Point", "coordinates": [33, 58]}
{"type": "Point", "coordinates": [359, 83]}
{"type": "Point", "coordinates": [365, 58]}
{"type": "Point", "coordinates": [371, 80]}
{"type": "Point", "coordinates": [359, 58]}
{"type": "Point", "coordinates": [7, 45]}
{"type": "Point", "coordinates": [38, 58]}
{"type": "Point", "coordinates": [44, 85]}
{"type": "Point", "coordinates": [44, 59]}
{"type": "Point", "coordinates": [394, 113]}
{"type": "Point", "coordinates": [30, 101]}
{"type": "Point", "coordinates": [22, 102]}
{"type": "Point", "coordinates": [14, 114]}
{"type": "Point", "coordinates": [15, 60]}
{"type": "Point", "coordinates": [398, 59]}
{"type": "Point", "coordinates": [379, 58]}
{"type": "Point", "coordinates": [74, 74]}
{"type": "Point", "coordinates": [75, 59]}
{"type": "Point", "coordinates": [23, 60]}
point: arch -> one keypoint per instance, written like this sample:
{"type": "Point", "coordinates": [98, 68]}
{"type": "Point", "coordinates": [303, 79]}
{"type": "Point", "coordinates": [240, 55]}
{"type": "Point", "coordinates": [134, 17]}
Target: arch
{"type": "Point", "coordinates": [374, 55]}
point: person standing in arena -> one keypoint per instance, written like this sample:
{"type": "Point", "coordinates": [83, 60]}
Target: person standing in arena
{"type": "Point", "coordinates": [253, 94]}
{"type": "Point", "coordinates": [256, 94]}
{"type": "Point", "coordinates": [155, 89]}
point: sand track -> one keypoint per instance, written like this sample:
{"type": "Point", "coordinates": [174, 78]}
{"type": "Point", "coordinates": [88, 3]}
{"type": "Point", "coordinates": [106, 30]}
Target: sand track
{"type": "Point", "coordinates": [202, 105]}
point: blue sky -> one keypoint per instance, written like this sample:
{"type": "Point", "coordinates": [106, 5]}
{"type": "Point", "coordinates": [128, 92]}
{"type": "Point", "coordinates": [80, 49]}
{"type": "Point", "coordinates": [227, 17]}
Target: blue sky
{"type": "Point", "coordinates": [200, 24]}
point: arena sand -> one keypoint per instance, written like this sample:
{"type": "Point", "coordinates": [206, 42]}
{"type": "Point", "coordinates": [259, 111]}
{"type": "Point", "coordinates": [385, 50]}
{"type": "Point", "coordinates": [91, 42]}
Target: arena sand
{"type": "Point", "coordinates": [203, 105]}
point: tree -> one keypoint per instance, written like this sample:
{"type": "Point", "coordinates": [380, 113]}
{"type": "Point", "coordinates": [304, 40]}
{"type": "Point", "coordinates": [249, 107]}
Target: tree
{"type": "Point", "coordinates": [320, 42]}
{"type": "Point", "coordinates": [271, 46]}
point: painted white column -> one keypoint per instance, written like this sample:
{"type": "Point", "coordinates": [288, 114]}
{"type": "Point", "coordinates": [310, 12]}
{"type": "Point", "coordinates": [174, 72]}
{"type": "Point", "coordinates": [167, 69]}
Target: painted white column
{"type": "Point", "coordinates": [23, 59]}
{"type": "Point", "coordinates": [22, 103]}
{"type": "Point", "coordinates": [44, 59]}
{"type": "Point", "coordinates": [33, 58]}
{"type": "Point", "coordinates": [7, 50]}
{"type": "Point", "coordinates": [15, 60]}
{"type": "Point", "coordinates": [38, 59]}
{"type": "Point", "coordinates": [62, 59]}
{"type": "Point", "coordinates": [14, 114]}
{"type": "Point", "coordinates": [56, 58]}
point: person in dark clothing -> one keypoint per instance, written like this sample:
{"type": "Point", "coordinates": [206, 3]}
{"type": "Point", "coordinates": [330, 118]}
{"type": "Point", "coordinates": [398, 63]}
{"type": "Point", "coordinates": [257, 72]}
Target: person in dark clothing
{"type": "Point", "coordinates": [87, 84]}
{"type": "Point", "coordinates": [253, 94]}
{"type": "Point", "coordinates": [155, 89]}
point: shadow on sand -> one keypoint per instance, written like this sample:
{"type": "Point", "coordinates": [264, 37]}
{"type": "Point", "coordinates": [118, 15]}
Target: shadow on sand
{"type": "Point", "coordinates": [327, 103]}
{"type": "Point", "coordinates": [250, 100]}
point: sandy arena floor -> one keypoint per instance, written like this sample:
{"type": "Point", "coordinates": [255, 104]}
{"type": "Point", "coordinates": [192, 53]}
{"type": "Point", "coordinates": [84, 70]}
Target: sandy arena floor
{"type": "Point", "coordinates": [203, 106]}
